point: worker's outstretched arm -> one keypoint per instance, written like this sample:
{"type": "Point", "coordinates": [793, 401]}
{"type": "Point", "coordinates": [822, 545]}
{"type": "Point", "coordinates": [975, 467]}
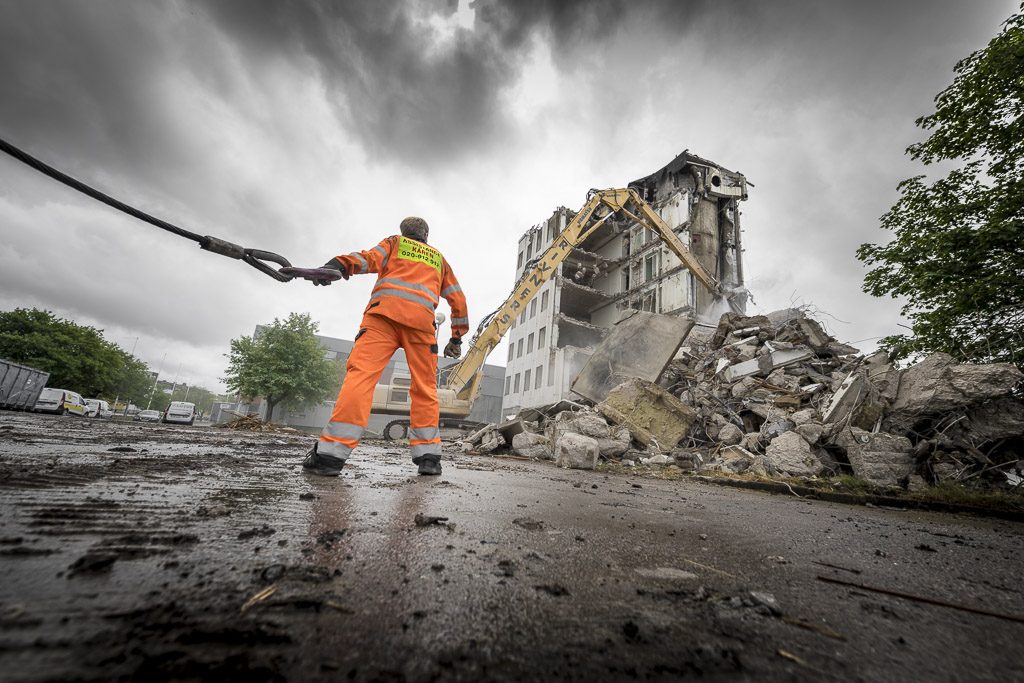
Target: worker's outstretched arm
{"type": "Point", "coordinates": [452, 292]}
{"type": "Point", "coordinates": [361, 262]}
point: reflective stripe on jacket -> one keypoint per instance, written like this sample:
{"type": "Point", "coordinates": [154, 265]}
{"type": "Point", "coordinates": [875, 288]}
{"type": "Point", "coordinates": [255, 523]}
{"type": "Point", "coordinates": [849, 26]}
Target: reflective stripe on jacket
{"type": "Point", "coordinates": [412, 278]}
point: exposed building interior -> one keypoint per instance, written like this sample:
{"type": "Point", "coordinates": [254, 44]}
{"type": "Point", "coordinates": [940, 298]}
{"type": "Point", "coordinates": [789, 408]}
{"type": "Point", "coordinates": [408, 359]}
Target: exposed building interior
{"type": "Point", "coordinates": [623, 266]}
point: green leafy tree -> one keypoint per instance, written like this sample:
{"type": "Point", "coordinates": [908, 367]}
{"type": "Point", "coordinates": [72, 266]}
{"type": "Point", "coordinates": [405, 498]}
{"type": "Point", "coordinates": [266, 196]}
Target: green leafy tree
{"type": "Point", "coordinates": [957, 252]}
{"type": "Point", "coordinates": [76, 356]}
{"type": "Point", "coordinates": [283, 363]}
{"type": "Point", "coordinates": [132, 381]}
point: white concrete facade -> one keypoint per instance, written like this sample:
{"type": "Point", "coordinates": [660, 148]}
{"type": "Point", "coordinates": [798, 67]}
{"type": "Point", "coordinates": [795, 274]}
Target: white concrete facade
{"type": "Point", "coordinates": [621, 268]}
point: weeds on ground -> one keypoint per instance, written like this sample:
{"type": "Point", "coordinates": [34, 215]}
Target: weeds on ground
{"type": "Point", "coordinates": [948, 493]}
{"type": "Point", "coordinates": [955, 494]}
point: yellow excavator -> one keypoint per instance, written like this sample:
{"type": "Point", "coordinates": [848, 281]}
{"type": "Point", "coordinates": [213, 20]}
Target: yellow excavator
{"type": "Point", "coordinates": [459, 384]}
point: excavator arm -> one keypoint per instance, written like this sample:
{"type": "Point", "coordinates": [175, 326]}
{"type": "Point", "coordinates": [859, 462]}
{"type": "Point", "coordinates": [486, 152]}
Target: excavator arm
{"type": "Point", "coordinates": [601, 206]}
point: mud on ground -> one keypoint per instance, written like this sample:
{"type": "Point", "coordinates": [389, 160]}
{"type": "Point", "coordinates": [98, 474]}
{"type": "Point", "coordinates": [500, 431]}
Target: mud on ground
{"type": "Point", "coordinates": [157, 552]}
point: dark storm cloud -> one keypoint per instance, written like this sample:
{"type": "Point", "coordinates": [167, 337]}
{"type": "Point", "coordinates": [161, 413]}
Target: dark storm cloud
{"type": "Point", "coordinates": [78, 83]}
{"type": "Point", "coordinates": [405, 96]}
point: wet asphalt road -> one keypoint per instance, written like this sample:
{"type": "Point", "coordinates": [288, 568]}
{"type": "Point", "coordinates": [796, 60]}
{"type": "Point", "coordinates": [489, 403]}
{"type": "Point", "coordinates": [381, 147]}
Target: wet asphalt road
{"type": "Point", "coordinates": [130, 551]}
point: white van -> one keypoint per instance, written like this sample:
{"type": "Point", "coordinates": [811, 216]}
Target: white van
{"type": "Point", "coordinates": [180, 412]}
{"type": "Point", "coordinates": [95, 407]}
{"type": "Point", "coordinates": [60, 402]}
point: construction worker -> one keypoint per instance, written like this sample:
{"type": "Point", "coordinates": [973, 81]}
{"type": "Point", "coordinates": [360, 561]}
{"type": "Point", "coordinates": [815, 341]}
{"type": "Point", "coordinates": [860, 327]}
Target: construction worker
{"type": "Point", "coordinates": [412, 277]}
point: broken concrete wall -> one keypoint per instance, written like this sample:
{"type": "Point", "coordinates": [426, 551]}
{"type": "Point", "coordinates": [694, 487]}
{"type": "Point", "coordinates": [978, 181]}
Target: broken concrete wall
{"type": "Point", "coordinates": [704, 244]}
{"type": "Point", "coordinates": [620, 358]}
{"type": "Point", "coordinates": [938, 384]}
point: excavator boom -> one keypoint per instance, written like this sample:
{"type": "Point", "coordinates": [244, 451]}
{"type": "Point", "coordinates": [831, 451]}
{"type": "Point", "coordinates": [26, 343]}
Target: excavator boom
{"type": "Point", "coordinates": [464, 378]}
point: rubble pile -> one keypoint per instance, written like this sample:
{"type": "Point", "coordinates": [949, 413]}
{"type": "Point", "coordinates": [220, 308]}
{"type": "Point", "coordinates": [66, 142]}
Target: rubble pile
{"type": "Point", "coordinates": [252, 423]}
{"type": "Point", "coordinates": [776, 395]}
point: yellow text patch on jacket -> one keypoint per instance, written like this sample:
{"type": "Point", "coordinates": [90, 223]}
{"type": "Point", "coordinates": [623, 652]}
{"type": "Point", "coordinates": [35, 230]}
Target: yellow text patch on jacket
{"type": "Point", "coordinates": [411, 250]}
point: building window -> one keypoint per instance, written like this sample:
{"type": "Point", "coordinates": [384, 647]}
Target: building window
{"type": "Point", "coordinates": [533, 308]}
{"type": "Point", "coordinates": [650, 267]}
{"type": "Point", "coordinates": [650, 301]}
{"type": "Point", "coordinates": [515, 390]}
{"type": "Point", "coordinates": [543, 300]}
{"type": "Point", "coordinates": [508, 384]}
{"type": "Point", "coordinates": [511, 350]}
{"type": "Point", "coordinates": [540, 371]}
{"type": "Point", "coordinates": [529, 343]}
{"type": "Point", "coordinates": [541, 337]}
{"type": "Point", "coordinates": [526, 381]}
{"type": "Point", "coordinates": [551, 230]}
{"type": "Point", "coordinates": [519, 349]}
{"type": "Point", "coordinates": [519, 263]}
{"type": "Point", "coordinates": [522, 318]}
{"type": "Point", "coordinates": [551, 372]}
{"type": "Point", "coordinates": [513, 325]}
{"type": "Point", "coordinates": [529, 250]}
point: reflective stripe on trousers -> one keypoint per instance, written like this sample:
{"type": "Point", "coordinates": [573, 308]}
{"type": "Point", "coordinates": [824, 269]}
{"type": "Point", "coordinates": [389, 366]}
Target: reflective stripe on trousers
{"type": "Point", "coordinates": [335, 448]}
{"type": "Point", "coordinates": [424, 440]}
{"type": "Point", "coordinates": [339, 439]}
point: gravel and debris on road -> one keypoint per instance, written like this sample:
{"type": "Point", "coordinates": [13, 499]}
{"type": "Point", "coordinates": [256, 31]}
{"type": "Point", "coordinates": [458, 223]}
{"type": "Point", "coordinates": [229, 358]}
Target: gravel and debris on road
{"type": "Point", "coordinates": [156, 552]}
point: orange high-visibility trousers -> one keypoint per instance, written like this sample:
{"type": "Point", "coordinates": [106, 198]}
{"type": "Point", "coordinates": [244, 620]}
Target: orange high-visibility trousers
{"type": "Point", "coordinates": [377, 340]}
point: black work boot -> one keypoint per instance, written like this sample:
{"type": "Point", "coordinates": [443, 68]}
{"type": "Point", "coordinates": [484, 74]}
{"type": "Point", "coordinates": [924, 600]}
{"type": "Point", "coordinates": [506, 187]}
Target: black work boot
{"type": "Point", "coordinates": [430, 463]}
{"type": "Point", "coordinates": [324, 465]}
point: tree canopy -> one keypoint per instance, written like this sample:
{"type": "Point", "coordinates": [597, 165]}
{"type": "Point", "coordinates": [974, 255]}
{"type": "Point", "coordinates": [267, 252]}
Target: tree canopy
{"type": "Point", "coordinates": [957, 251]}
{"type": "Point", "coordinates": [76, 356]}
{"type": "Point", "coordinates": [283, 363]}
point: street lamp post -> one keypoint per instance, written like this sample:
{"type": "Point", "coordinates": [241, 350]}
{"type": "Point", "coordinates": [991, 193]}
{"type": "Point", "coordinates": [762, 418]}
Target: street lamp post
{"type": "Point", "coordinates": [155, 379]}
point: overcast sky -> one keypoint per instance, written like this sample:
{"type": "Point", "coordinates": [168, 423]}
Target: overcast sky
{"type": "Point", "coordinates": [312, 128]}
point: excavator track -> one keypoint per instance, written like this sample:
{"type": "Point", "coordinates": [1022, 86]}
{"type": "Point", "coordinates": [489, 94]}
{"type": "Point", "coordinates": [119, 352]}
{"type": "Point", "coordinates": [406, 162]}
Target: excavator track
{"type": "Point", "coordinates": [399, 429]}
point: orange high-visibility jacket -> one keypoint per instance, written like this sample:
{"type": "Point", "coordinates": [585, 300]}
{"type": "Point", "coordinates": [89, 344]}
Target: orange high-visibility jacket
{"type": "Point", "coordinates": [413, 276]}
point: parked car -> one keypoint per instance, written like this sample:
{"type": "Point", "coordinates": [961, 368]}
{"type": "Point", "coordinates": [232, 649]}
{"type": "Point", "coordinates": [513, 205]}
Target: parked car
{"type": "Point", "coordinates": [180, 412]}
{"type": "Point", "coordinates": [147, 416]}
{"type": "Point", "coordinates": [95, 407]}
{"type": "Point", "coordinates": [60, 402]}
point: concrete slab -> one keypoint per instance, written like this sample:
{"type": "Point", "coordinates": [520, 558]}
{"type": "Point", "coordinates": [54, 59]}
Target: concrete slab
{"type": "Point", "coordinates": [766, 363]}
{"type": "Point", "coordinates": [639, 346]}
{"type": "Point", "coordinates": [651, 414]}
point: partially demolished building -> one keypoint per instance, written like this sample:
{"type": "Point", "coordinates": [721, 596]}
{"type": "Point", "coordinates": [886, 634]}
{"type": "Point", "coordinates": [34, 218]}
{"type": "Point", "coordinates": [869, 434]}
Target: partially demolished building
{"type": "Point", "coordinates": [621, 268]}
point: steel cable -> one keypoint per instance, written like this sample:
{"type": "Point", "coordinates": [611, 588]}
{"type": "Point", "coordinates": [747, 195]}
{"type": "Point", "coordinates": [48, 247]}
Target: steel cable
{"type": "Point", "coordinates": [253, 257]}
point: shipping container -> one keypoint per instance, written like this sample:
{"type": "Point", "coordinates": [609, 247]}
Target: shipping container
{"type": "Point", "coordinates": [20, 385]}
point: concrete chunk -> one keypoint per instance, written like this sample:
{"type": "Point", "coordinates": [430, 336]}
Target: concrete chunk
{"type": "Point", "coordinates": [651, 414]}
{"type": "Point", "coordinates": [846, 399]}
{"type": "Point", "coordinates": [883, 459]}
{"type": "Point", "coordinates": [612, 442]}
{"type": "Point", "coordinates": [530, 445]}
{"type": "Point", "coordinates": [789, 454]}
{"type": "Point", "coordinates": [765, 364]}
{"type": "Point", "coordinates": [575, 451]}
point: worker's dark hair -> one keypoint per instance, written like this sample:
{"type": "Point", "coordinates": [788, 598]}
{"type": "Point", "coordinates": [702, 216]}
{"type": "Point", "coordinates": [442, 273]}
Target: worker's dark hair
{"type": "Point", "coordinates": [416, 228]}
